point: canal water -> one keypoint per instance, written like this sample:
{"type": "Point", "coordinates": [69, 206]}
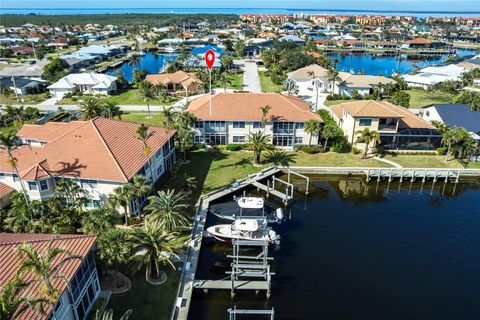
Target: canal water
{"type": "Point", "coordinates": [387, 65]}
{"type": "Point", "coordinates": [353, 250]}
{"type": "Point", "coordinates": [150, 62]}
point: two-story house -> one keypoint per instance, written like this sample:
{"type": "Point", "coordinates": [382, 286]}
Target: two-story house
{"type": "Point", "coordinates": [81, 287]}
{"type": "Point", "coordinates": [231, 117]}
{"type": "Point", "coordinates": [99, 155]}
{"type": "Point", "coordinates": [93, 83]}
{"type": "Point", "coordinates": [399, 128]}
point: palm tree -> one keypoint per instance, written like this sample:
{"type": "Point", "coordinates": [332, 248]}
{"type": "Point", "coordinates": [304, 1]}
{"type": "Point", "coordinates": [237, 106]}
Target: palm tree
{"type": "Point", "coordinates": [8, 143]}
{"type": "Point", "coordinates": [121, 197]}
{"type": "Point", "coordinates": [332, 76]}
{"type": "Point", "coordinates": [12, 303]}
{"type": "Point", "coordinates": [183, 123]}
{"type": "Point", "coordinates": [143, 135]}
{"type": "Point", "coordinates": [134, 60]}
{"type": "Point", "coordinates": [167, 207]}
{"type": "Point", "coordinates": [168, 118]}
{"type": "Point", "coordinates": [329, 131]}
{"type": "Point", "coordinates": [378, 91]}
{"type": "Point", "coordinates": [113, 249]}
{"type": "Point", "coordinates": [90, 108]}
{"type": "Point", "coordinates": [265, 109]}
{"type": "Point", "coordinates": [151, 246]}
{"type": "Point", "coordinates": [110, 109]}
{"type": "Point", "coordinates": [368, 136]}
{"type": "Point", "coordinates": [258, 142]}
{"type": "Point", "coordinates": [139, 187]}
{"type": "Point", "coordinates": [46, 268]}
{"type": "Point", "coordinates": [225, 80]}
{"type": "Point", "coordinates": [147, 93]}
{"type": "Point", "coordinates": [97, 221]}
{"type": "Point", "coordinates": [312, 127]}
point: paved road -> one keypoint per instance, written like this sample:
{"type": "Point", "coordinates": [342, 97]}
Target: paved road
{"type": "Point", "coordinates": [251, 79]}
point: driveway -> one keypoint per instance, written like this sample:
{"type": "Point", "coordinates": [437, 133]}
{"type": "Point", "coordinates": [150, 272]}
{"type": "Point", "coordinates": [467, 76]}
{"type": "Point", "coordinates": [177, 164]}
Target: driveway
{"type": "Point", "coordinates": [251, 79]}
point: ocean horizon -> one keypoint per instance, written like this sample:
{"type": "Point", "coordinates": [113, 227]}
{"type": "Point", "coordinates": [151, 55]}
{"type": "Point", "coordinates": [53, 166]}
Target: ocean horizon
{"type": "Point", "coordinates": [237, 11]}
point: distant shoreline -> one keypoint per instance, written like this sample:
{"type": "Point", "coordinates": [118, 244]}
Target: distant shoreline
{"type": "Point", "coordinates": [236, 11]}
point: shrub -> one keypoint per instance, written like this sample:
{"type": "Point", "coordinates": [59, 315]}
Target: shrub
{"type": "Point", "coordinates": [199, 146]}
{"type": "Point", "coordinates": [220, 147]}
{"type": "Point", "coordinates": [234, 147]}
{"type": "Point", "coordinates": [442, 151]}
{"type": "Point", "coordinates": [356, 150]}
{"type": "Point", "coordinates": [74, 98]}
{"type": "Point", "coordinates": [311, 149]}
{"type": "Point", "coordinates": [379, 150]}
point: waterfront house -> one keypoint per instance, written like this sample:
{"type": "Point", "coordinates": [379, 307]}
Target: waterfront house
{"type": "Point", "coordinates": [233, 116]}
{"type": "Point", "coordinates": [363, 84]}
{"type": "Point", "coordinates": [99, 155]}
{"type": "Point", "coordinates": [309, 78]}
{"type": "Point", "coordinates": [93, 83]}
{"type": "Point", "coordinates": [179, 81]}
{"type": "Point", "coordinates": [399, 128]}
{"type": "Point", "coordinates": [78, 290]}
{"type": "Point", "coordinates": [292, 38]}
{"type": "Point", "coordinates": [30, 71]}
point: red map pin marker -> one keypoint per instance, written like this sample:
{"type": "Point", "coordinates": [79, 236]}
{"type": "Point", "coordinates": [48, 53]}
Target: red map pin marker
{"type": "Point", "coordinates": [210, 59]}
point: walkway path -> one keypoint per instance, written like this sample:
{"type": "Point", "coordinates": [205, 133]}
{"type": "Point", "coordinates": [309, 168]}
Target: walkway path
{"type": "Point", "coordinates": [393, 164]}
{"type": "Point", "coordinates": [251, 79]}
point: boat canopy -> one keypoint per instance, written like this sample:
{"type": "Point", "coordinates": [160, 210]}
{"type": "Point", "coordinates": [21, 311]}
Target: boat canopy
{"type": "Point", "coordinates": [246, 225]}
{"type": "Point", "coordinates": [250, 203]}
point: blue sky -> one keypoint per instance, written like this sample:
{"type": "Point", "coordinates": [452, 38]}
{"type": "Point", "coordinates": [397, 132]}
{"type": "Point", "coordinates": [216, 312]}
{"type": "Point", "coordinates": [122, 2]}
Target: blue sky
{"type": "Point", "coordinates": [439, 5]}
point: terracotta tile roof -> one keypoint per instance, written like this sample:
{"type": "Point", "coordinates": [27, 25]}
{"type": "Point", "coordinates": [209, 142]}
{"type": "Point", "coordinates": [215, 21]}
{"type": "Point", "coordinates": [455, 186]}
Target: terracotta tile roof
{"type": "Point", "coordinates": [5, 190]}
{"type": "Point", "coordinates": [246, 107]}
{"type": "Point", "coordinates": [79, 245]}
{"type": "Point", "coordinates": [179, 77]}
{"type": "Point", "coordinates": [362, 81]}
{"type": "Point", "coordinates": [419, 41]}
{"type": "Point", "coordinates": [100, 149]}
{"type": "Point", "coordinates": [378, 109]}
{"type": "Point", "coordinates": [49, 131]}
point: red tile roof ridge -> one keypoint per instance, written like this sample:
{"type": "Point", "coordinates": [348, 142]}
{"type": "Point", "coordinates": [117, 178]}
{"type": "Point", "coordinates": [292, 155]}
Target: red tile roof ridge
{"type": "Point", "coordinates": [47, 237]}
{"type": "Point", "coordinates": [115, 160]}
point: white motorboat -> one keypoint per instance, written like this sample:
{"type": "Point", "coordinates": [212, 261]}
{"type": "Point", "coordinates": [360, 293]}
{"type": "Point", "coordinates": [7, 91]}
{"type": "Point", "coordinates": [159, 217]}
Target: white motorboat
{"type": "Point", "coordinates": [250, 208]}
{"type": "Point", "coordinates": [170, 49]}
{"type": "Point", "coordinates": [244, 229]}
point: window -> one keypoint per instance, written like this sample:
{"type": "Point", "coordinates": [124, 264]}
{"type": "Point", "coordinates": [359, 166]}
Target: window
{"type": "Point", "coordinates": [199, 124]}
{"type": "Point", "coordinates": [59, 305]}
{"type": "Point", "coordinates": [15, 178]}
{"type": "Point", "coordinates": [258, 125]}
{"type": "Point", "coordinates": [43, 185]}
{"type": "Point", "coordinates": [2, 176]}
{"type": "Point", "coordinates": [93, 204]}
{"type": "Point", "coordinates": [365, 122]}
{"type": "Point", "coordinates": [238, 124]}
{"type": "Point", "coordinates": [427, 113]}
{"type": "Point", "coordinates": [282, 141]}
{"type": "Point", "coordinates": [299, 125]}
{"type": "Point", "coordinates": [160, 170]}
{"type": "Point", "coordinates": [238, 139]}
{"type": "Point", "coordinates": [198, 139]}
{"type": "Point", "coordinates": [158, 154]}
{"type": "Point", "coordinates": [298, 140]}
{"type": "Point", "coordinates": [88, 184]}
{"type": "Point", "coordinates": [32, 186]}
{"type": "Point", "coordinates": [215, 139]}
{"type": "Point", "coordinates": [284, 127]}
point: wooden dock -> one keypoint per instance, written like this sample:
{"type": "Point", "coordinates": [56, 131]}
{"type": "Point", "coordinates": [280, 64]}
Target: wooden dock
{"type": "Point", "coordinates": [269, 190]}
{"type": "Point", "coordinates": [227, 285]}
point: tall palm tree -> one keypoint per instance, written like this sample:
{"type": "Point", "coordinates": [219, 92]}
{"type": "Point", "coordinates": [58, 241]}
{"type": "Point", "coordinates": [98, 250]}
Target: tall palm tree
{"type": "Point", "coordinates": [225, 80]}
{"type": "Point", "coordinates": [152, 246]}
{"type": "Point", "coordinates": [139, 187]}
{"type": "Point", "coordinates": [183, 123]}
{"type": "Point", "coordinates": [89, 108]}
{"type": "Point", "coordinates": [146, 91]}
{"type": "Point", "coordinates": [113, 249]}
{"type": "Point", "coordinates": [368, 137]}
{"type": "Point", "coordinates": [121, 197]}
{"type": "Point", "coordinates": [8, 143]}
{"type": "Point", "coordinates": [168, 118]}
{"type": "Point", "coordinates": [46, 268]}
{"type": "Point", "coordinates": [332, 76]}
{"type": "Point", "coordinates": [12, 303]}
{"type": "Point", "coordinates": [264, 110]}
{"type": "Point", "coordinates": [143, 135]}
{"type": "Point", "coordinates": [258, 142]}
{"type": "Point", "coordinates": [312, 127]}
{"type": "Point", "coordinates": [168, 208]}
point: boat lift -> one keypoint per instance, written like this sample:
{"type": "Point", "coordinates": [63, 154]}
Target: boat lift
{"type": "Point", "coordinates": [232, 313]}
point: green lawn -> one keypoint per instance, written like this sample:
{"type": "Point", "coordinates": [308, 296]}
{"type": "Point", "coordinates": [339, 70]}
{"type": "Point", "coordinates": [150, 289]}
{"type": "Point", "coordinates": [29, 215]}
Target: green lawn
{"type": "Point", "coordinates": [145, 299]}
{"type": "Point", "coordinates": [24, 99]}
{"type": "Point", "coordinates": [129, 97]}
{"type": "Point", "coordinates": [425, 161]}
{"type": "Point", "coordinates": [421, 98]}
{"type": "Point", "coordinates": [329, 103]}
{"type": "Point", "coordinates": [267, 84]}
{"type": "Point", "coordinates": [236, 79]}
{"type": "Point", "coordinates": [142, 117]}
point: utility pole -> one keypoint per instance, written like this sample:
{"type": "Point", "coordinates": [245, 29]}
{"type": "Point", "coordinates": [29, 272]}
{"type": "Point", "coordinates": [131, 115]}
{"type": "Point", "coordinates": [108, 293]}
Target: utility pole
{"type": "Point", "coordinates": [15, 88]}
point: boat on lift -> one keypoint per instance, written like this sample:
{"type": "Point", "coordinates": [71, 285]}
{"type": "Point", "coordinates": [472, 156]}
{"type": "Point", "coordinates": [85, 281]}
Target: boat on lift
{"type": "Point", "coordinates": [250, 208]}
{"type": "Point", "coordinates": [244, 229]}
